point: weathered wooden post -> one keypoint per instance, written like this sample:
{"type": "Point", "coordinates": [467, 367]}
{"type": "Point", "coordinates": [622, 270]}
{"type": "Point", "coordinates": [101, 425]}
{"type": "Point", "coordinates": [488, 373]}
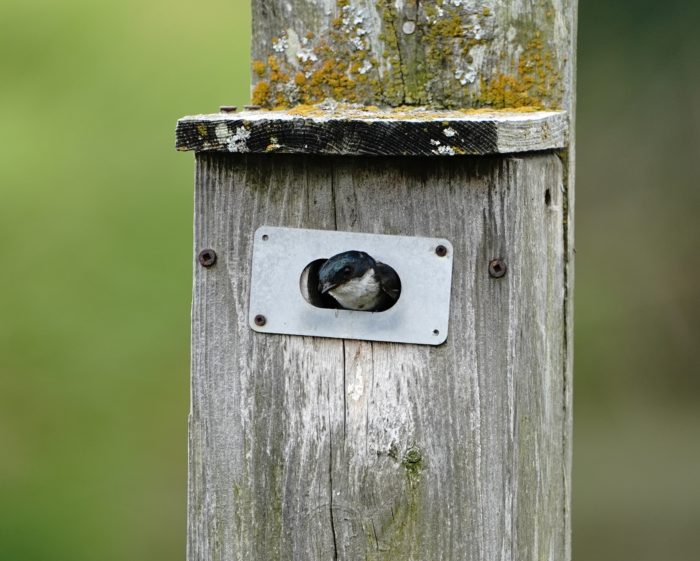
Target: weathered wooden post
{"type": "Point", "coordinates": [313, 448]}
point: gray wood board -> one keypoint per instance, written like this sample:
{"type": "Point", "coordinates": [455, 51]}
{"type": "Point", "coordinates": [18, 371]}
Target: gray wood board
{"type": "Point", "coordinates": [436, 133]}
{"type": "Point", "coordinates": [318, 449]}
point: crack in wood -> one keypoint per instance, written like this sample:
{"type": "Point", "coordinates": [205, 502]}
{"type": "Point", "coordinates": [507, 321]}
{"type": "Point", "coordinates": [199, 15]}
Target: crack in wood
{"type": "Point", "coordinates": [330, 476]}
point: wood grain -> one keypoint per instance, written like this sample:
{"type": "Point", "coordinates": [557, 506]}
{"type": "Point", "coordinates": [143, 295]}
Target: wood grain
{"type": "Point", "coordinates": [375, 133]}
{"type": "Point", "coordinates": [441, 53]}
{"type": "Point", "coordinates": [319, 449]}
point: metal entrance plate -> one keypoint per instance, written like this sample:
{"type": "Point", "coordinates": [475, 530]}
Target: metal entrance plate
{"type": "Point", "coordinates": [277, 305]}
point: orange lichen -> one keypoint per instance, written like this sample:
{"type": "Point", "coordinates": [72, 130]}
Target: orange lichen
{"type": "Point", "coordinates": [370, 112]}
{"type": "Point", "coordinates": [452, 66]}
{"type": "Point", "coordinates": [261, 94]}
{"type": "Point", "coordinates": [259, 67]}
{"type": "Point", "coordinates": [532, 84]}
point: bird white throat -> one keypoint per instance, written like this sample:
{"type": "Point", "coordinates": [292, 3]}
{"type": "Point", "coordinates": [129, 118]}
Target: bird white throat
{"type": "Point", "coordinates": [358, 294]}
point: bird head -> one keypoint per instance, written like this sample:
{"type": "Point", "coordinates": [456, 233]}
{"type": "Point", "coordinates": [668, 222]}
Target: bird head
{"type": "Point", "coordinates": [342, 268]}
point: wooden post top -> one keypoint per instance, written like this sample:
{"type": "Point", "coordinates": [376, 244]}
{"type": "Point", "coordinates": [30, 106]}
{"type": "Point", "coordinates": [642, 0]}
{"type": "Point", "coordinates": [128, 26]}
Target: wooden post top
{"type": "Point", "coordinates": [402, 77]}
{"type": "Point", "coordinates": [437, 53]}
{"type": "Point", "coordinates": [333, 129]}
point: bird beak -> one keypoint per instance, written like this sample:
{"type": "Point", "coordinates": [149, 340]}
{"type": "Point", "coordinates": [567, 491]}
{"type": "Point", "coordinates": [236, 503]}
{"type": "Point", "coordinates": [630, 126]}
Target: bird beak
{"type": "Point", "coordinates": [324, 287]}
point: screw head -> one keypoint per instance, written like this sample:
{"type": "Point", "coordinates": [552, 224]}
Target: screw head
{"type": "Point", "coordinates": [409, 27]}
{"type": "Point", "coordinates": [252, 107]}
{"type": "Point", "coordinates": [497, 268]}
{"type": "Point", "coordinates": [260, 320]}
{"type": "Point", "coordinates": [441, 251]}
{"type": "Point", "coordinates": [228, 108]}
{"type": "Point", "coordinates": [207, 257]}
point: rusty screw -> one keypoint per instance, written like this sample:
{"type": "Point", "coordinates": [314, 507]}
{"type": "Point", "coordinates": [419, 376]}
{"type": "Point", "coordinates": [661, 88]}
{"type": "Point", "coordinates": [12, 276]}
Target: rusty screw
{"type": "Point", "coordinates": [260, 320]}
{"type": "Point", "coordinates": [497, 268]}
{"type": "Point", "coordinates": [441, 251]}
{"type": "Point", "coordinates": [228, 109]}
{"type": "Point", "coordinates": [252, 107]}
{"type": "Point", "coordinates": [207, 257]}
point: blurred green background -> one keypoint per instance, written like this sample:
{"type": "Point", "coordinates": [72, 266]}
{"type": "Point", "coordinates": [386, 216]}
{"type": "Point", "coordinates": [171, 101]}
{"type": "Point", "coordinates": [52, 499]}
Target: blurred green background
{"type": "Point", "coordinates": [95, 230]}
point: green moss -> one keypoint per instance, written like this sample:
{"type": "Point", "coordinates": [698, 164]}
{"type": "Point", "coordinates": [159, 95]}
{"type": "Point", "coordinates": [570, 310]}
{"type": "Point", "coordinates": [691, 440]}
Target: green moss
{"type": "Point", "coordinates": [400, 531]}
{"type": "Point", "coordinates": [393, 88]}
{"type": "Point", "coordinates": [449, 39]}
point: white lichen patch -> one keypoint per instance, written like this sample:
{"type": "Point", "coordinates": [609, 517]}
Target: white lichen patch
{"type": "Point", "coordinates": [359, 17]}
{"type": "Point", "coordinates": [306, 55]}
{"type": "Point", "coordinates": [280, 44]}
{"type": "Point", "coordinates": [445, 151]}
{"type": "Point", "coordinates": [353, 25]}
{"type": "Point", "coordinates": [366, 67]}
{"type": "Point", "coordinates": [239, 141]}
{"type": "Point", "coordinates": [352, 17]}
{"type": "Point", "coordinates": [359, 43]}
{"type": "Point", "coordinates": [449, 132]}
{"type": "Point", "coordinates": [222, 132]}
{"type": "Point", "coordinates": [442, 150]}
{"type": "Point", "coordinates": [291, 92]}
{"type": "Point", "coordinates": [465, 76]}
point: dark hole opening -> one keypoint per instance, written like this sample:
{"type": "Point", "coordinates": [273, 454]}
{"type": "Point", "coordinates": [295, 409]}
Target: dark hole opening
{"type": "Point", "coordinates": [547, 197]}
{"type": "Point", "coordinates": [308, 283]}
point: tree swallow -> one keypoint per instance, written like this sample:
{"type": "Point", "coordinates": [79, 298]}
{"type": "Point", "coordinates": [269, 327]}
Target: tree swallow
{"type": "Point", "coordinates": [358, 282]}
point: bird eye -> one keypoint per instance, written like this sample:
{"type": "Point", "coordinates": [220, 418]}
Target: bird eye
{"type": "Point", "coordinates": [347, 270]}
